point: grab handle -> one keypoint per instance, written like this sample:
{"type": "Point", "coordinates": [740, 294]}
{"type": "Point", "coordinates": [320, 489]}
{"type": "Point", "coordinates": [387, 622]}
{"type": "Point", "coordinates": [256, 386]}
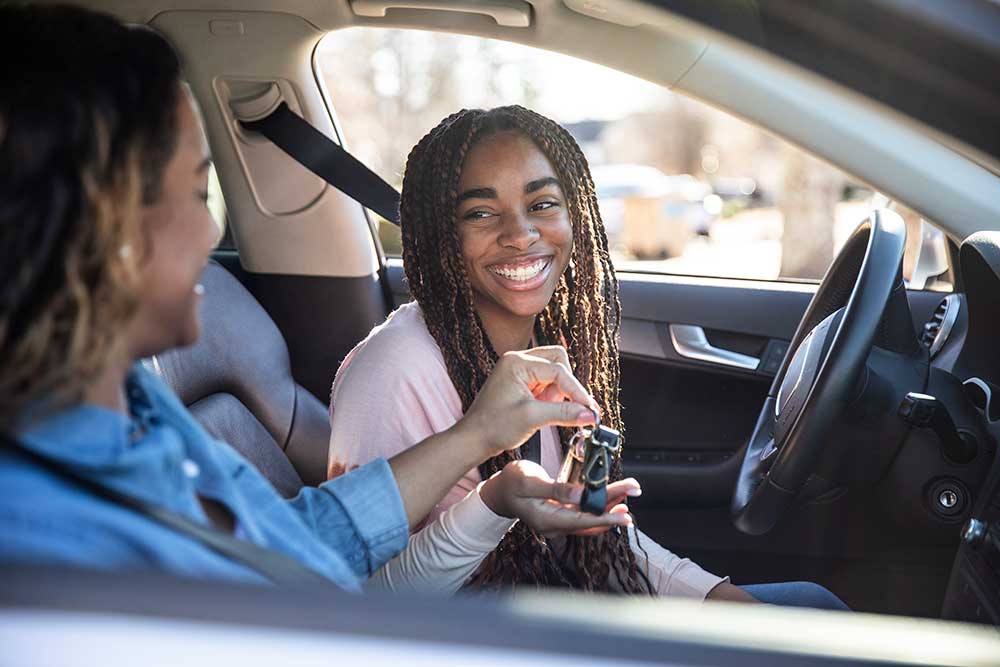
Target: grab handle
{"type": "Point", "coordinates": [507, 13]}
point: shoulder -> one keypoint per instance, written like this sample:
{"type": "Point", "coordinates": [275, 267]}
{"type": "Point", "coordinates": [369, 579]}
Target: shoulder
{"type": "Point", "coordinates": [400, 348]}
{"type": "Point", "coordinates": [392, 391]}
{"type": "Point", "coordinates": [403, 332]}
{"type": "Point", "coordinates": [46, 520]}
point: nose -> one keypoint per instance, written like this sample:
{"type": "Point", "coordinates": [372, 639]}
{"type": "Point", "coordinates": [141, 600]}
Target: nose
{"type": "Point", "coordinates": [517, 232]}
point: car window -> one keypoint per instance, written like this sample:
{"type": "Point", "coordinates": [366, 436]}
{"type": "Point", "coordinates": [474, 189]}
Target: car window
{"type": "Point", "coordinates": [217, 207]}
{"type": "Point", "coordinates": [926, 264]}
{"type": "Point", "coordinates": [683, 188]}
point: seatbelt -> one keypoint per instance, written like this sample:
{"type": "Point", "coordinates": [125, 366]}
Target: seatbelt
{"type": "Point", "coordinates": [328, 160]}
{"type": "Point", "coordinates": [279, 568]}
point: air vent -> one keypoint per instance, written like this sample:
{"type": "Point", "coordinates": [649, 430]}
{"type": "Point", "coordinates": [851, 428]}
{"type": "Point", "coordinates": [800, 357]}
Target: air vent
{"type": "Point", "coordinates": [937, 329]}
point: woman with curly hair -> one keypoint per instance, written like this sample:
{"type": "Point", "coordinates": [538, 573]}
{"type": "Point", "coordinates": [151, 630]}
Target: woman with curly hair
{"type": "Point", "coordinates": [503, 247]}
{"type": "Point", "coordinates": [105, 232]}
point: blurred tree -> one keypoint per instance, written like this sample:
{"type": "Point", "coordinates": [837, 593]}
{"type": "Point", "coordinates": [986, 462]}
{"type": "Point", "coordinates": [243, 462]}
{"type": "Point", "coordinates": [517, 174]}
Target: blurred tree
{"type": "Point", "coordinates": [669, 139]}
{"type": "Point", "coordinates": [810, 192]}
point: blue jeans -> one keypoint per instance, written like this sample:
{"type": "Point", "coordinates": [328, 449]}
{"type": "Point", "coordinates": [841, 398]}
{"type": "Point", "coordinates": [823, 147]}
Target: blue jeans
{"type": "Point", "coordinates": [796, 594]}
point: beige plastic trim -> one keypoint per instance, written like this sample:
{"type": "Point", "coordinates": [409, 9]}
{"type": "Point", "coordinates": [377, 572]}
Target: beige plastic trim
{"type": "Point", "coordinates": [268, 169]}
{"type": "Point", "coordinates": [285, 219]}
{"type": "Point", "coordinates": [507, 13]}
{"type": "Point", "coordinates": [257, 105]}
{"type": "Point", "coordinates": [605, 10]}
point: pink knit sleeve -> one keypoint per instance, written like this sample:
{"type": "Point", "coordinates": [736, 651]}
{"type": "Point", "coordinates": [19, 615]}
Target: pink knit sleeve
{"type": "Point", "coordinates": [391, 393]}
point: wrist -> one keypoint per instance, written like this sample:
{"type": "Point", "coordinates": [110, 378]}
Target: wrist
{"type": "Point", "coordinates": [492, 494]}
{"type": "Point", "coordinates": [476, 437]}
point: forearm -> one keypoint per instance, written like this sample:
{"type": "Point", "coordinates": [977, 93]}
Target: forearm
{"type": "Point", "coordinates": [427, 471]}
{"type": "Point", "coordinates": [442, 556]}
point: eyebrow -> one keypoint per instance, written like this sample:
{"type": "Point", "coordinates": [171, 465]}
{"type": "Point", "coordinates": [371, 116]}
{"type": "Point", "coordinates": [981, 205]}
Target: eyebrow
{"type": "Point", "coordinates": [540, 183]}
{"type": "Point", "coordinates": [205, 164]}
{"type": "Point", "coordinates": [491, 193]}
{"type": "Point", "coordinates": [478, 193]}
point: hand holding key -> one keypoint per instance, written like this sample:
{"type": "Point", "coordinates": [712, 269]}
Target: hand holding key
{"type": "Point", "coordinates": [524, 490]}
{"type": "Point", "coordinates": [526, 391]}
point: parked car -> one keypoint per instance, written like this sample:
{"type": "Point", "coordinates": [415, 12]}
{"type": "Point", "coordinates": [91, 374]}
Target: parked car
{"type": "Point", "coordinates": [649, 214]}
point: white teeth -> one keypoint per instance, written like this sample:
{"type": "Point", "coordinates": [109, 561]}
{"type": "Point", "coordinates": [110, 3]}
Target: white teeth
{"type": "Point", "coordinates": [521, 273]}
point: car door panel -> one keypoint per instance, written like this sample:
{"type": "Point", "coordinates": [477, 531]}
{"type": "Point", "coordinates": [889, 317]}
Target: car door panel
{"type": "Point", "coordinates": [685, 418]}
{"type": "Point", "coordinates": [686, 422]}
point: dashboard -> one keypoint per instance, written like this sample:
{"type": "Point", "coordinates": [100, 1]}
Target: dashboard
{"type": "Point", "coordinates": [973, 592]}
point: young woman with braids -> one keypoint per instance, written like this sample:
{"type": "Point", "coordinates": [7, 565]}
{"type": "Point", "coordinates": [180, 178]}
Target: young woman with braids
{"type": "Point", "coordinates": [104, 232]}
{"type": "Point", "coordinates": [504, 247]}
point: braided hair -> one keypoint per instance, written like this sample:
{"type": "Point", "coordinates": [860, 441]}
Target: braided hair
{"type": "Point", "coordinates": [583, 315]}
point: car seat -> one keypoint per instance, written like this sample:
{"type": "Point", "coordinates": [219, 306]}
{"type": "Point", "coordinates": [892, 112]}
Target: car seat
{"type": "Point", "coordinates": [237, 382]}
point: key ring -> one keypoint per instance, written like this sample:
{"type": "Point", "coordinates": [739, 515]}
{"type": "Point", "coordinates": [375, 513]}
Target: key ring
{"type": "Point", "coordinates": [588, 463]}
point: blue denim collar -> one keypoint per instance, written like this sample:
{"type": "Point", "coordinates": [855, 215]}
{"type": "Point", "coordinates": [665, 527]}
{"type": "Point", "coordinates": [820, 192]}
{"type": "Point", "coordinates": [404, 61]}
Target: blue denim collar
{"type": "Point", "coordinates": [95, 440]}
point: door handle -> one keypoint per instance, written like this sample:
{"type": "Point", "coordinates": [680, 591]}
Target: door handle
{"type": "Point", "coordinates": [507, 13]}
{"type": "Point", "coordinates": [690, 342]}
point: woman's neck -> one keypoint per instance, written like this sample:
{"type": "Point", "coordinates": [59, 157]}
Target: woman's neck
{"type": "Point", "coordinates": [108, 389]}
{"type": "Point", "coordinates": [507, 332]}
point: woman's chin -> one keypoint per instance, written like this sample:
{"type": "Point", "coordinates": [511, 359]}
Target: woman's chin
{"type": "Point", "coordinates": [527, 305]}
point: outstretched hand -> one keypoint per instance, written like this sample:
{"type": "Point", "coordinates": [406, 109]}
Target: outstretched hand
{"type": "Point", "coordinates": [526, 391]}
{"type": "Point", "coordinates": [524, 490]}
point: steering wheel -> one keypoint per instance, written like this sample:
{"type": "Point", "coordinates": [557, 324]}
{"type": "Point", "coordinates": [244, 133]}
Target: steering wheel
{"type": "Point", "coordinates": [820, 374]}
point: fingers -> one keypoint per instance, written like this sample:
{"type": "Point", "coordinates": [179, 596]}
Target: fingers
{"type": "Point", "coordinates": [553, 507]}
{"type": "Point", "coordinates": [542, 413]}
{"type": "Point", "coordinates": [550, 368]}
{"type": "Point", "coordinates": [567, 494]}
{"type": "Point", "coordinates": [626, 488]}
{"type": "Point", "coordinates": [617, 510]}
{"type": "Point", "coordinates": [534, 482]}
{"type": "Point", "coordinates": [552, 394]}
{"type": "Point", "coordinates": [566, 520]}
{"type": "Point", "coordinates": [554, 353]}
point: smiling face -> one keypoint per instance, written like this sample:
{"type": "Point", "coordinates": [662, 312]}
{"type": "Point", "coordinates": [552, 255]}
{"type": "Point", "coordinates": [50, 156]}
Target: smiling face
{"type": "Point", "coordinates": [515, 232]}
{"type": "Point", "coordinates": [179, 235]}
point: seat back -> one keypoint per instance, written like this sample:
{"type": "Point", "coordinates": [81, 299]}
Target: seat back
{"type": "Point", "coordinates": [237, 382]}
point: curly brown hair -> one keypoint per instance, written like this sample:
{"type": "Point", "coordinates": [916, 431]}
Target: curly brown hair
{"type": "Point", "coordinates": [88, 122]}
{"type": "Point", "coordinates": [583, 315]}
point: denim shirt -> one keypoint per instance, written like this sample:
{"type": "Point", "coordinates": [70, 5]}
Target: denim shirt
{"type": "Point", "coordinates": [344, 529]}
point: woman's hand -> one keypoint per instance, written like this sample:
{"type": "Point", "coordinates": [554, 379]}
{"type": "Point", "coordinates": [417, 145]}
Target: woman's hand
{"type": "Point", "coordinates": [526, 391]}
{"type": "Point", "coordinates": [524, 490]}
{"type": "Point", "coordinates": [617, 493]}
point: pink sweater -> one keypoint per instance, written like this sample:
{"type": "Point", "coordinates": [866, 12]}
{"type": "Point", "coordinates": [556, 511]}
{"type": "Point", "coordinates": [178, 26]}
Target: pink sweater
{"type": "Point", "coordinates": [393, 391]}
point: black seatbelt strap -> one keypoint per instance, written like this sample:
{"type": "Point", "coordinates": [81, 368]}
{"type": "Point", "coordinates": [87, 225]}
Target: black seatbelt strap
{"type": "Point", "coordinates": [325, 158]}
{"type": "Point", "coordinates": [532, 449]}
{"type": "Point", "coordinates": [277, 567]}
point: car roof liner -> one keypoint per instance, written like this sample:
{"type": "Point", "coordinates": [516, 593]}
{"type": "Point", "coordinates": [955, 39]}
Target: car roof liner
{"type": "Point", "coordinates": [935, 62]}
